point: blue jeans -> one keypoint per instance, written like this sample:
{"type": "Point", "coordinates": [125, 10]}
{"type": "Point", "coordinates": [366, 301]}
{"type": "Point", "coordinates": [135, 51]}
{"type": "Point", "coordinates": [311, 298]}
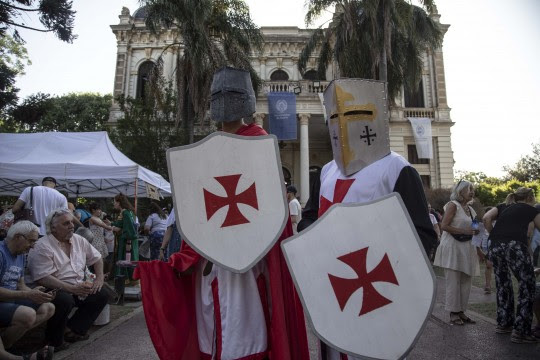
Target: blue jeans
{"type": "Point", "coordinates": [156, 238]}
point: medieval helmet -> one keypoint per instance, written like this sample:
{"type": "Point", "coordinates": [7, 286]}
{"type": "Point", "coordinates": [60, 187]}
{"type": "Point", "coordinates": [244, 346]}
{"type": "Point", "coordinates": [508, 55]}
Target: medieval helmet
{"type": "Point", "coordinates": [232, 95]}
{"type": "Point", "coordinates": [357, 114]}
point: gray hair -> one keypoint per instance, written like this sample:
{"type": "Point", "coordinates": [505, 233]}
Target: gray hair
{"type": "Point", "coordinates": [55, 214]}
{"type": "Point", "coordinates": [23, 227]}
{"type": "Point", "coordinates": [85, 233]}
{"type": "Point", "coordinates": [458, 189]}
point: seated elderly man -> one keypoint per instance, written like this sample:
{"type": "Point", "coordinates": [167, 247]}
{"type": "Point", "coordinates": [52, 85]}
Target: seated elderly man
{"type": "Point", "coordinates": [21, 308]}
{"type": "Point", "coordinates": [59, 261]}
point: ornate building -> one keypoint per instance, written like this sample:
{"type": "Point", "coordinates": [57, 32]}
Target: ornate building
{"type": "Point", "coordinates": [138, 49]}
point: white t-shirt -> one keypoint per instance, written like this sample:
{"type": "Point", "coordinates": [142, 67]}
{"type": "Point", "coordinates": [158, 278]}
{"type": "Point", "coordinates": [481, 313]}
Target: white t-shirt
{"type": "Point", "coordinates": [433, 219]}
{"type": "Point", "coordinates": [155, 223]}
{"type": "Point", "coordinates": [44, 200]}
{"type": "Point", "coordinates": [295, 209]}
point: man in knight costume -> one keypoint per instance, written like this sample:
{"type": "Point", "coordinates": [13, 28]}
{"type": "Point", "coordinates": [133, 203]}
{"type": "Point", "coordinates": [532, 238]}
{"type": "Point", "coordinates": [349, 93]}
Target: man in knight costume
{"type": "Point", "coordinates": [214, 313]}
{"type": "Point", "coordinates": [364, 169]}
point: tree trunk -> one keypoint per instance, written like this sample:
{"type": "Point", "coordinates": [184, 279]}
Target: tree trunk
{"type": "Point", "coordinates": [188, 117]}
{"type": "Point", "coordinates": [383, 66]}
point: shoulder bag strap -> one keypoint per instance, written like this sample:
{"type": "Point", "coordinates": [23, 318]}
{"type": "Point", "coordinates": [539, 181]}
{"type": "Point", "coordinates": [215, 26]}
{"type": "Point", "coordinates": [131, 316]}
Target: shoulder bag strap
{"type": "Point", "coordinates": [470, 212]}
{"type": "Point", "coordinates": [31, 197]}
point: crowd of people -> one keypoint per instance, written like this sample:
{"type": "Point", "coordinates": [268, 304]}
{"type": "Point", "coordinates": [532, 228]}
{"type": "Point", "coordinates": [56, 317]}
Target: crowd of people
{"type": "Point", "coordinates": [54, 273]}
{"type": "Point", "coordinates": [54, 260]}
{"type": "Point", "coordinates": [502, 238]}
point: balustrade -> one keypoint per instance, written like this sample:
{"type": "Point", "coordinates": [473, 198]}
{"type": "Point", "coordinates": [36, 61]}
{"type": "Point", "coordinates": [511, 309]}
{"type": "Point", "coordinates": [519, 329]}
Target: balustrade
{"type": "Point", "coordinates": [302, 87]}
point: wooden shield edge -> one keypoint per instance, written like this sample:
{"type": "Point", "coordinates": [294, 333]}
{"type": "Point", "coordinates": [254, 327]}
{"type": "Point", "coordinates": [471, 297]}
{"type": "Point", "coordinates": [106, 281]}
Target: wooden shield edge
{"type": "Point", "coordinates": [281, 179]}
{"type": "Point", "coordinates": [316, 223]}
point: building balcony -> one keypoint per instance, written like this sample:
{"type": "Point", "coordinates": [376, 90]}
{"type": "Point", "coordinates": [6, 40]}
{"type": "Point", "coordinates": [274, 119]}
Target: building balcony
{"type": "Point", "coordinates": [308, 90]}
{"type": "Point", "coordinates": [300, 87]}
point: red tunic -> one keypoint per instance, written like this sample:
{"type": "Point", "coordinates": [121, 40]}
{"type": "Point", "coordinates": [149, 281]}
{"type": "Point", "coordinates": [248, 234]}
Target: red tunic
{"type": "Point", "coordinates": [169, 304]}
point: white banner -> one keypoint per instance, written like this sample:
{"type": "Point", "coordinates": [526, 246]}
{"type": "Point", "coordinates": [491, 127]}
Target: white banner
{"type": "Point", "coordinates": [321, 99]}
{"type": "Point", "coordinates": [422, 135]}
{"type": "Point", "coordinates": [152, 191]}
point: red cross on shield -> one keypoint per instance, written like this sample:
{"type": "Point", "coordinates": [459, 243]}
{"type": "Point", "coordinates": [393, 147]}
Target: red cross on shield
{"type": "Point", "coordinates": [229, 197]}
{"type": "Point", "coordinates": [365, 282]}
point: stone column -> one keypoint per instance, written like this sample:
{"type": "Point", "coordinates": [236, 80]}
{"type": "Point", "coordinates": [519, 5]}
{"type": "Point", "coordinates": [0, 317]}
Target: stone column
{"type": "Point", "coordinates": [304, 158]}
{"type": "Point", "coordinates": [258, 118]}
{"type": "Point", "coordinates": [262, 70]}
{"type": "Point", "coordinates": [295, 76]}
{"type": "Point", "coordinates": [168, 65]}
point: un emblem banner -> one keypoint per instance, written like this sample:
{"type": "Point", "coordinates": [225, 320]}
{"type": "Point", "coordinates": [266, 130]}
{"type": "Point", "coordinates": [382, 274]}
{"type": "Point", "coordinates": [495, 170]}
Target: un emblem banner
{"type": "Point", "coordinates": [282, 113]}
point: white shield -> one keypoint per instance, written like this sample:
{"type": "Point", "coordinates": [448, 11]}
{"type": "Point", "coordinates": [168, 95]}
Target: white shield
{"type": "Point", "coordinates": [363, 278]}
{"type": "Point", "coordinates": [229, 197]}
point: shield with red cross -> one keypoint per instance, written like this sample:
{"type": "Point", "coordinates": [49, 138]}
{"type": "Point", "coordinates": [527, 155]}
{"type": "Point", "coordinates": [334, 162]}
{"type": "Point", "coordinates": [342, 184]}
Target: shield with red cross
{"type": "Point", "coordinates": [229, 197]}
{"type": "Point", "coordinates": [364, 279]}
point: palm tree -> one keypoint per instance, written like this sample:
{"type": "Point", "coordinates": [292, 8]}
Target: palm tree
{"type": "Point", "coordinates": [214, 33]}
{"type": "Point", "coordinates": [374, 39]}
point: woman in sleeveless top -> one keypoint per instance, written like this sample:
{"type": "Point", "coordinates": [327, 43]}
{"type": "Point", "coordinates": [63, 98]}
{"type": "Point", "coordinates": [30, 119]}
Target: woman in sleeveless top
{"type": "Point", "coordinates": [458, 257]}
{"type": "Point", "coordinates": [510, 249]}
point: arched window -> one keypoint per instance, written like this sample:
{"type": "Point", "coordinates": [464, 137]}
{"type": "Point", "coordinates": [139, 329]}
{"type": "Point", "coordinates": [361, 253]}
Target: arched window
{"type": "Point", "coordinates": [143, 77]}
{"type": "Point", "coordinates": [414, 99]}
{"type": "Point", "coordinates": [311, 75]}
{"type": "Point", "coordinates": [279, 75]}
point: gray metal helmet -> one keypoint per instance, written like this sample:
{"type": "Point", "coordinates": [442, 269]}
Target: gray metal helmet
{"type": "Point", "coordinates": [232, 95]}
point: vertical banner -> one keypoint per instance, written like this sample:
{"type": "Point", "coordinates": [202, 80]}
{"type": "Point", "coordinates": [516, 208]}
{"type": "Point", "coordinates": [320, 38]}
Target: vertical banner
{"type": "Point", "coordinates": [282, 115]}
{"type": "Point", "coordinates": [422, 135]}
{"type": "Point", "coordinates": [321, 99]}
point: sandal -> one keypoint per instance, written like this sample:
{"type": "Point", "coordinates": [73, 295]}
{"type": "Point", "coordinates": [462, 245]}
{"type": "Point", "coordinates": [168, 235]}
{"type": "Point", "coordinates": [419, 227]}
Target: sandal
{"type": "Point", "coordinates": [64, 346]}
{"type": "Point", "coordinates": [455, 319]}
{"type": "Point", "coordinates": [536, 332]}
{"type": "Point", "coordinates": [465, 318]}
{"type": "Point", "coordinates": [72, 337]}
{"type": "Point", "coordinates": [46, 353]}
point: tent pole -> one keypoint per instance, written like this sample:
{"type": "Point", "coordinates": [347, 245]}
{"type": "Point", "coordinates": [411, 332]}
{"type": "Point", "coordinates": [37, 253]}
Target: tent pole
{"type": "Point", "coordinates": [136, 186]}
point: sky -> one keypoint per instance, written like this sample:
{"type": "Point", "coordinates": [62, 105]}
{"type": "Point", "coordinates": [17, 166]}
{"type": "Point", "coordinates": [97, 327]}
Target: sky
{"type": "Point", "coordinates": [491, 53]}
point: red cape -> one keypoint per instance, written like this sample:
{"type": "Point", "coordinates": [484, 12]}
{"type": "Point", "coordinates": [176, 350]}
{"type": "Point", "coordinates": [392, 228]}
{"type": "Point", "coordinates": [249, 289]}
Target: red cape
{"type": "Point", "coordinates": [169, 303]}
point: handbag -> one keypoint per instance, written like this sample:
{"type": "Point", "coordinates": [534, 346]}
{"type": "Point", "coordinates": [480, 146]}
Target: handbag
{"type": "Point", "coordinates": [112, 295]}
{"type": "Point", "coordinates": [463, 237]}
{"type": "Point", "coordinates": [28, 212]}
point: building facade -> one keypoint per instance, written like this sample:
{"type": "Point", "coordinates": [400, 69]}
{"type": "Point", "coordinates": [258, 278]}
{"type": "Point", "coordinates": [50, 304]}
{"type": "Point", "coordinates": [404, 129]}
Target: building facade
{"type": "Point", "coordinates": [139, 49]}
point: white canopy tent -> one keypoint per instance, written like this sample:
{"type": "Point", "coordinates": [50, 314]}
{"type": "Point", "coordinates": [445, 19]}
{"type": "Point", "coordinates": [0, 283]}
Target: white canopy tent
{"type": "Point", "coordinates": [85, 164]}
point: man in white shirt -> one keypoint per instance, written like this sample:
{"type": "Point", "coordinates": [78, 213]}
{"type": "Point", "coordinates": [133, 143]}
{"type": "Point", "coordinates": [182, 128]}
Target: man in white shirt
{"type": "Point", "coordinates": [44, 200]}
{"type": "Point", "coordinates": [295, 209]}
{"type": "Point", "coordinates": [58, 261]}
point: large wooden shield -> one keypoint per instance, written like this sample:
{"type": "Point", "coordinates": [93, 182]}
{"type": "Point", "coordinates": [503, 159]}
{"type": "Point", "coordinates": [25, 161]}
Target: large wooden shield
{"type": "Point", "coordinates": [229, 197]}
{"type": "Point", "coordinates": [364, 279]}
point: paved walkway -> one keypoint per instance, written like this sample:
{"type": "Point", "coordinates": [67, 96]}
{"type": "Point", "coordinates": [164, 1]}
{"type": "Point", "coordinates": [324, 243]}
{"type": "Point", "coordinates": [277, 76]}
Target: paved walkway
{"type": "Point", "coordinates": [127, 338]}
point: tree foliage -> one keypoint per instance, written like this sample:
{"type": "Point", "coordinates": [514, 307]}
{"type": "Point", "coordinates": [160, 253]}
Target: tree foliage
{"type": "Point", "coordinates": [147, 130]}
{"type": "Point", "coordinates": [214, 33]}
{"type": "Point", "coordinates": [55, 16]}
{"type": "Point", "coordinates": [72, 112]}
{"type": "Point", "coordinates": [527, 168]}
{"type": "Point", "coordinates": [373, 39]}
{"type": "Point", "coordinates": [13, 58]}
